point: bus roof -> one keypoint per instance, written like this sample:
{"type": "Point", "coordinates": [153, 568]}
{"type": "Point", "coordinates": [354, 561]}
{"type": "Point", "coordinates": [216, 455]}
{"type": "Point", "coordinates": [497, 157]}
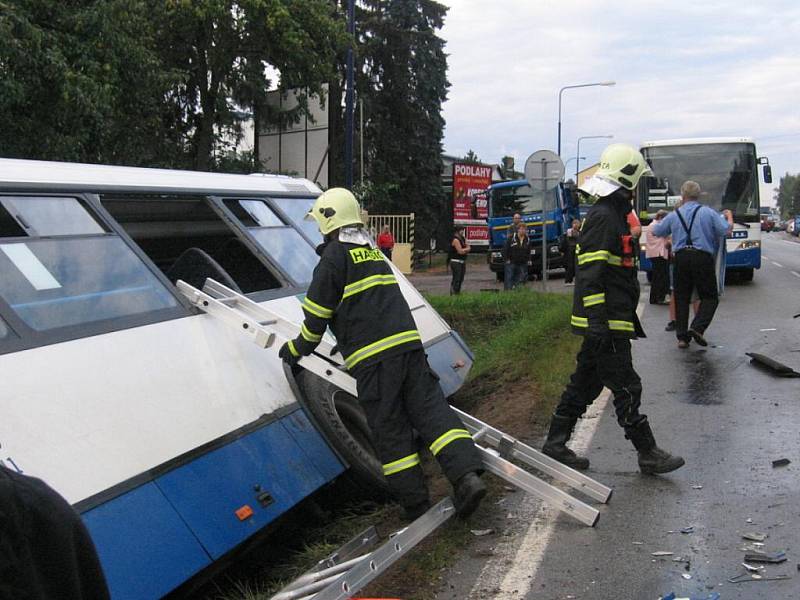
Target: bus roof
{"type": "Point", "coordinates": [38, 175]}
{"type": "Point", "coordinates": [508, 184]}
{"type": "Point", "coordinates": [689, 141]}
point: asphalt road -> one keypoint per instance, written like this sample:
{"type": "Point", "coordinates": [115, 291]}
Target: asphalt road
{"type": "Point", "coordinates": [727, 418]}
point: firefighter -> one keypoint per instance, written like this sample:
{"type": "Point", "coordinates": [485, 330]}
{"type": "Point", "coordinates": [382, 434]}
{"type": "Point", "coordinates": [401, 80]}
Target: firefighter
{"type": "Point", "coordinates": [355, 292]}
{"type": "Point", "coordinates": [604, 313]}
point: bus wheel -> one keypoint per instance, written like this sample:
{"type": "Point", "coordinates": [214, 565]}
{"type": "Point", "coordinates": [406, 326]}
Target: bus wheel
{"type": "Point", "coordinates": [341, 420]}
{"type": "Point", "coordinates": [746, 275]}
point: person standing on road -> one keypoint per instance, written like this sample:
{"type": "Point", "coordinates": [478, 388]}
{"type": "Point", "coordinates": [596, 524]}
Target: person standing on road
{"type": "Point", "coordinates": [571, 243]}
{"type": "Point", "coordinates": [697, 232]}
{"type": "Point", "coordinates": [457, 255]}
{"type": "Point", "coordinates": [354, 291]}
{"type": "Point", "coordinates": [386, 242]}
{"type": "Point", "coordinates": [604, 313]}
{"type": "Point", "coordinates": [657, 250]}
{"type": "Point", "coordinates": [517, 254]}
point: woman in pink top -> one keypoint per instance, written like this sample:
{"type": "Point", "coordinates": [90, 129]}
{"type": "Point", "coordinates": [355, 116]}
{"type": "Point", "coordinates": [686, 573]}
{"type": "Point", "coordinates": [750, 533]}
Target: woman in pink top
{"type": "Point", "coordinates": [657, 250]}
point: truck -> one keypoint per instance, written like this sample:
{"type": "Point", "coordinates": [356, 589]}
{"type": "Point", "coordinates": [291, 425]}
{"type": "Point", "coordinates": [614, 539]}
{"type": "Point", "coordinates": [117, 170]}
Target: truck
{"type": "Point", "coordinates": [515, 196]}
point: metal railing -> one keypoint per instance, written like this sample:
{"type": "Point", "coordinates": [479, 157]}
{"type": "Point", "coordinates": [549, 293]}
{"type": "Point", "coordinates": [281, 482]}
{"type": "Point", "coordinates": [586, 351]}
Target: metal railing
{"type": "Point", "coordinates": [401, 226]}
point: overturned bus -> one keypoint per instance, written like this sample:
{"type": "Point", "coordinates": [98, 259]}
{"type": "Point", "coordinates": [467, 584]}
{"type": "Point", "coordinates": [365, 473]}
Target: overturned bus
{"type": "Point", "coordinates": [174, 437]}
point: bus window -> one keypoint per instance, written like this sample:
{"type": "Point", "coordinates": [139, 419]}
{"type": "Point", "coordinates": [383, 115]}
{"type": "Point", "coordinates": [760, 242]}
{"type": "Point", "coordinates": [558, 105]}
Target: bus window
{"type": "Point", "coordinates": [67, 279]}
{"type": "Point", "coordinates": [296, 209]}
{"type": "Point", "coordinates": [283, 243]}
{"type": "Point", "coordinates": [187, 240]}
{"type": "Point", "coordinates": [50, 217]}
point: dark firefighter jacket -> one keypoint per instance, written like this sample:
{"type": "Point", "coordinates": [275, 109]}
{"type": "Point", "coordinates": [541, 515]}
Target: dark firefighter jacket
{"type": "Point", "coordinates": [355, 292]}
{"type": "Point", "coordinates": [606, 284]}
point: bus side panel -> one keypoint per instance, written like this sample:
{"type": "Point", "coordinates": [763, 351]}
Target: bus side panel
{"type": "Point", "coordinates": [144, 546]}
{"type": "Point", "coordinates": [313, 445]}
{"type": "Point", "coordinates": [227, 495]}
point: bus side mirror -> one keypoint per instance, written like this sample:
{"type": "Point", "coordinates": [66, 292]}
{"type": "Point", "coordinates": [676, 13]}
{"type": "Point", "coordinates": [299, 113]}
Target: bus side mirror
{"type": "Point", "coordinates": [767, 174]}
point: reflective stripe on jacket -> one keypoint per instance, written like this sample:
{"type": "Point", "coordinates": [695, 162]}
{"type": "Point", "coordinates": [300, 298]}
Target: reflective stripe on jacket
{"type": "Point", "coordinates": [355, 292]}
{"type": "Point", "coordinates": [606, 284]}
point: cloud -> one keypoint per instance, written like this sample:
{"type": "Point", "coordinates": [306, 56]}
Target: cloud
{"type": "Point", "coordinates": [683, 69]}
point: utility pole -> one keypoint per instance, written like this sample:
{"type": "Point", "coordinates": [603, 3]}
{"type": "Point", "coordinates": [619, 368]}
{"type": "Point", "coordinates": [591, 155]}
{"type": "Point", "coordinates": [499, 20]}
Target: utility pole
{"type": "Point", "coordinates": [348, 103]}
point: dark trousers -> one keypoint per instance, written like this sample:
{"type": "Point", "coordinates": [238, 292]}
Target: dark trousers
{"type": "Point", "coordinates": [569, 263]}
{"type": "Point", "coordinates": [515, 275]}
{"type": "Point", "coordinates": [399, 395]}
{"type": "Point", "coordinates": [694, 269]}
{"type": "Point", "coordinates": [459, 269]}
{"type": "Point", "coordinates": [659, 285]}
{"type": "Point", "coordinates": [601, 364]}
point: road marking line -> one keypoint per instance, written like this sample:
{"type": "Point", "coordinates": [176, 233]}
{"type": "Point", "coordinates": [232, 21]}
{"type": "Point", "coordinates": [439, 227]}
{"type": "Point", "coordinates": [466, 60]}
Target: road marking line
{"type": "Point", "coordinates": [777, 264]}
{"type": "Point", "coordinates": [516, 581]}
{"type": "Point", "coordinates": [765, 257]}
{"type": "Point", "coordinates": [769, 329]}
{"type": "Point", "coordinates": [795, 273]}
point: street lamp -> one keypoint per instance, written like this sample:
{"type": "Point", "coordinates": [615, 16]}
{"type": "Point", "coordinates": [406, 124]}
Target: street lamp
{"type": "Point", "coordinates": [571, 159]}
{"type": "Point", "coordinates": [578, 162]}
{"type": "Point", "coordinates": [569, 87]}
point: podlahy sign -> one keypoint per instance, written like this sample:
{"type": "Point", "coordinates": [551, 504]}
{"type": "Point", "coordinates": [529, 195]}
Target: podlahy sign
{"type": "Point", "coordinates": [470, 202]}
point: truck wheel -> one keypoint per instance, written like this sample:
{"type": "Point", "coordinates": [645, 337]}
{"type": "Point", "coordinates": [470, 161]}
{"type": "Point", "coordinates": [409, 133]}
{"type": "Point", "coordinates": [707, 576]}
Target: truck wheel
{"type": "Point", "coordinates": [746, 275]}
{"type": "Point", "coordinates": [341, 420]}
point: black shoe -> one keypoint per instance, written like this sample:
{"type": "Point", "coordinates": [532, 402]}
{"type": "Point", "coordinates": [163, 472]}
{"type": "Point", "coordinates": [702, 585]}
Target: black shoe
{"type": "Point", "coordinates": [652, 459]}
{"type": "Point", "coordinates": [412, 513]}
{"type": "Point", "coordinates": [555, 445]}
{"type": "Point", "coordinates": [670, 326]}
{"type": "Point", "coordinates": [656, 460]}
{"type": "Point", "coordinates": [698, 337]}
{"type": "Point", "coordinates": [469, 492]}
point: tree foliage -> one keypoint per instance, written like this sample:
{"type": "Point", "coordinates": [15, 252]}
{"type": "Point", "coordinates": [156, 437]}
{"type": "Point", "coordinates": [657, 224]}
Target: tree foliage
{"type": "Point", "coordinates": [401, 77]}
{"type": "Point", "coordinates": [152, 82]}
{"type": "Point", "coordinates": [788, 195]}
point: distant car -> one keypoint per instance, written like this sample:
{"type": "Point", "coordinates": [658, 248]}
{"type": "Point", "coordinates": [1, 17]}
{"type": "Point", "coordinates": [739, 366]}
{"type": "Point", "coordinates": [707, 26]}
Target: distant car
{"type": "Point", "coordinates": [767, 224]}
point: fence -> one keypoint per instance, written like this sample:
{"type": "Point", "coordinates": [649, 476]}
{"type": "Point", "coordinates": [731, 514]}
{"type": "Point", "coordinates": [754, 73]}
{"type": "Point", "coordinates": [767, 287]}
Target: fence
{"type": "Point", "coordinates": [402, 228]}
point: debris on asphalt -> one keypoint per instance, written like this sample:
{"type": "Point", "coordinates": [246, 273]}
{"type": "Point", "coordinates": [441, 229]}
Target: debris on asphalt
{"type": "Point", "coordinates": [748, 520]}
{"type": "Point", "coordinates": [687, 530]}
{"type": "Point", "coordinates": [753, 568]}
{"type": "Point", "coordinates": [745, 577]}
{"type": "Point", "coordinates": [781, 462]}
{"type": "Point", "coordinates": [641, 543]}
{"type": "Point", "coordinates": [661, 553]}
{"type": "Point", "coordinates": [773, 558]}
{"type": "Point", "coordinates": [754, 537]}
{"type": "Point", "coordinates": [686, 576]}
{"type": "Point", "coordinates": [697, 487]}
{"type": "Point", "coordinates": [777, 368]}
{"type": "Point", "coordinates": [481, 532]}
{"type": "Point", "coordinates": [672, 596]}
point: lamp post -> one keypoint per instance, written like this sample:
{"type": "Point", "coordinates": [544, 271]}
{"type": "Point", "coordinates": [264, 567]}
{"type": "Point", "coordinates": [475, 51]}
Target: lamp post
{"type": "Point", "coordinates": [586, 137]}
{"type": "Point", "coordinates": [570, 159]}
{"type": "Point", "coordinates": [569, 87]}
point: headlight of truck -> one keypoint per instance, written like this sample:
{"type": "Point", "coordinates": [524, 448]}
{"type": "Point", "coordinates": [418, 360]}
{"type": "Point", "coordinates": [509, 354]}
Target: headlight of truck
{"type": "Point", "coordinates": [553, 249]}
{"type": "Point", "coordinates": [497, 255]}
{"type": "Point", "coordinates": [749, 244]}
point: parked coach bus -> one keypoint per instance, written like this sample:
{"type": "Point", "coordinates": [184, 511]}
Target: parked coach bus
{"type": "Point", "coordinates": [727, 171]}
{"type": "Point", "coordinates": [173, 435]}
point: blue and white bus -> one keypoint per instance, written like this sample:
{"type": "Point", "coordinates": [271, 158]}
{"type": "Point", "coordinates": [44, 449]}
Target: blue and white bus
{"type": "Point", "coordinates": [727, 171]}
{"type": "Point", "coordinates": [173, 435]}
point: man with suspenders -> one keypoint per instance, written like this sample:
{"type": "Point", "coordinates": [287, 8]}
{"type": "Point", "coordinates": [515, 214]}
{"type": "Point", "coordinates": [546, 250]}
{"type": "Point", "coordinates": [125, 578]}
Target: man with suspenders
{"type": "Point", "coordinates": [697, 232]}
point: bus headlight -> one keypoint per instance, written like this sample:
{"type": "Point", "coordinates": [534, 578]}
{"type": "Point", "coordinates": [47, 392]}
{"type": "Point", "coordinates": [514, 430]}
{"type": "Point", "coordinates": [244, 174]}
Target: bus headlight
{"type": "Point", "coordinates": [749, 244]}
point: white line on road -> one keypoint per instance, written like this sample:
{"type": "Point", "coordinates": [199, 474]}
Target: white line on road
{"type": "Point", "coordinates": [769, 329]}
{"type": "Point", "coordinates": [795, 273]}
{"type": "Point", "coordinates": [516, 581]}
{"type": "Point", "coordinates": [777, 264]}
{"type": "Point", "coordinates": [765, 257]}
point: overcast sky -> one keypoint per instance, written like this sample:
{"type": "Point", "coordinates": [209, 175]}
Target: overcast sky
{"type": "Point", "coordinates": [682, 69]}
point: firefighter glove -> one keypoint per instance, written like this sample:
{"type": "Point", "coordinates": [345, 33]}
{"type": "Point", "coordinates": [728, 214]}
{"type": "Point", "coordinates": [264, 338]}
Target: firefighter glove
{"type": "Point", "coordinates": [288, 356]}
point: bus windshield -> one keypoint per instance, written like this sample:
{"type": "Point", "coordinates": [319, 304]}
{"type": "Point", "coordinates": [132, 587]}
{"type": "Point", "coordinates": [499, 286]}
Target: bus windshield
{"type": "Point", "coordinates": [726, 173]}
{"type": "Point", "coordinates": [506, 201]}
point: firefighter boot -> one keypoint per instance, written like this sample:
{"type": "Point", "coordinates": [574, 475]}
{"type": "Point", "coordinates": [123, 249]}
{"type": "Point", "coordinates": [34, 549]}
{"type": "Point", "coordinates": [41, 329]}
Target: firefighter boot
{"type": "Point", "coordinates": [652, 459]}
{"type": "Point", "coordinates": [469, 492]}
{"type": "Point", "coordinates": [555, 445]}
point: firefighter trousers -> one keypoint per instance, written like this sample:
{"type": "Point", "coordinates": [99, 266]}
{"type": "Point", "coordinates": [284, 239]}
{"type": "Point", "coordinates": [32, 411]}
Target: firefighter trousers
{"type": "Point", "coordinates": [604, 363]}
{"type": "Point", "coordinates": [401, 395]}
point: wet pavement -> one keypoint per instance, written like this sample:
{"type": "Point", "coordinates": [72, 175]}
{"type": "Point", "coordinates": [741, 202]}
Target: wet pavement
{"type": "Point", "coordinates": [728, 419]}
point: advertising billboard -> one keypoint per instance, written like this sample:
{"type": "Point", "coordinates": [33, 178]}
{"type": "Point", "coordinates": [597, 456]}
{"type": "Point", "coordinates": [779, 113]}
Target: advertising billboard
{"type": "Point", "coordinates": [470, 202]}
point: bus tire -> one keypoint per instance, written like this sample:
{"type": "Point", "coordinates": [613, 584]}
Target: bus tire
{"type": "Point", "coordinates": [746, 275]}
{"type": "Point", "coordinates": [342, 421]}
